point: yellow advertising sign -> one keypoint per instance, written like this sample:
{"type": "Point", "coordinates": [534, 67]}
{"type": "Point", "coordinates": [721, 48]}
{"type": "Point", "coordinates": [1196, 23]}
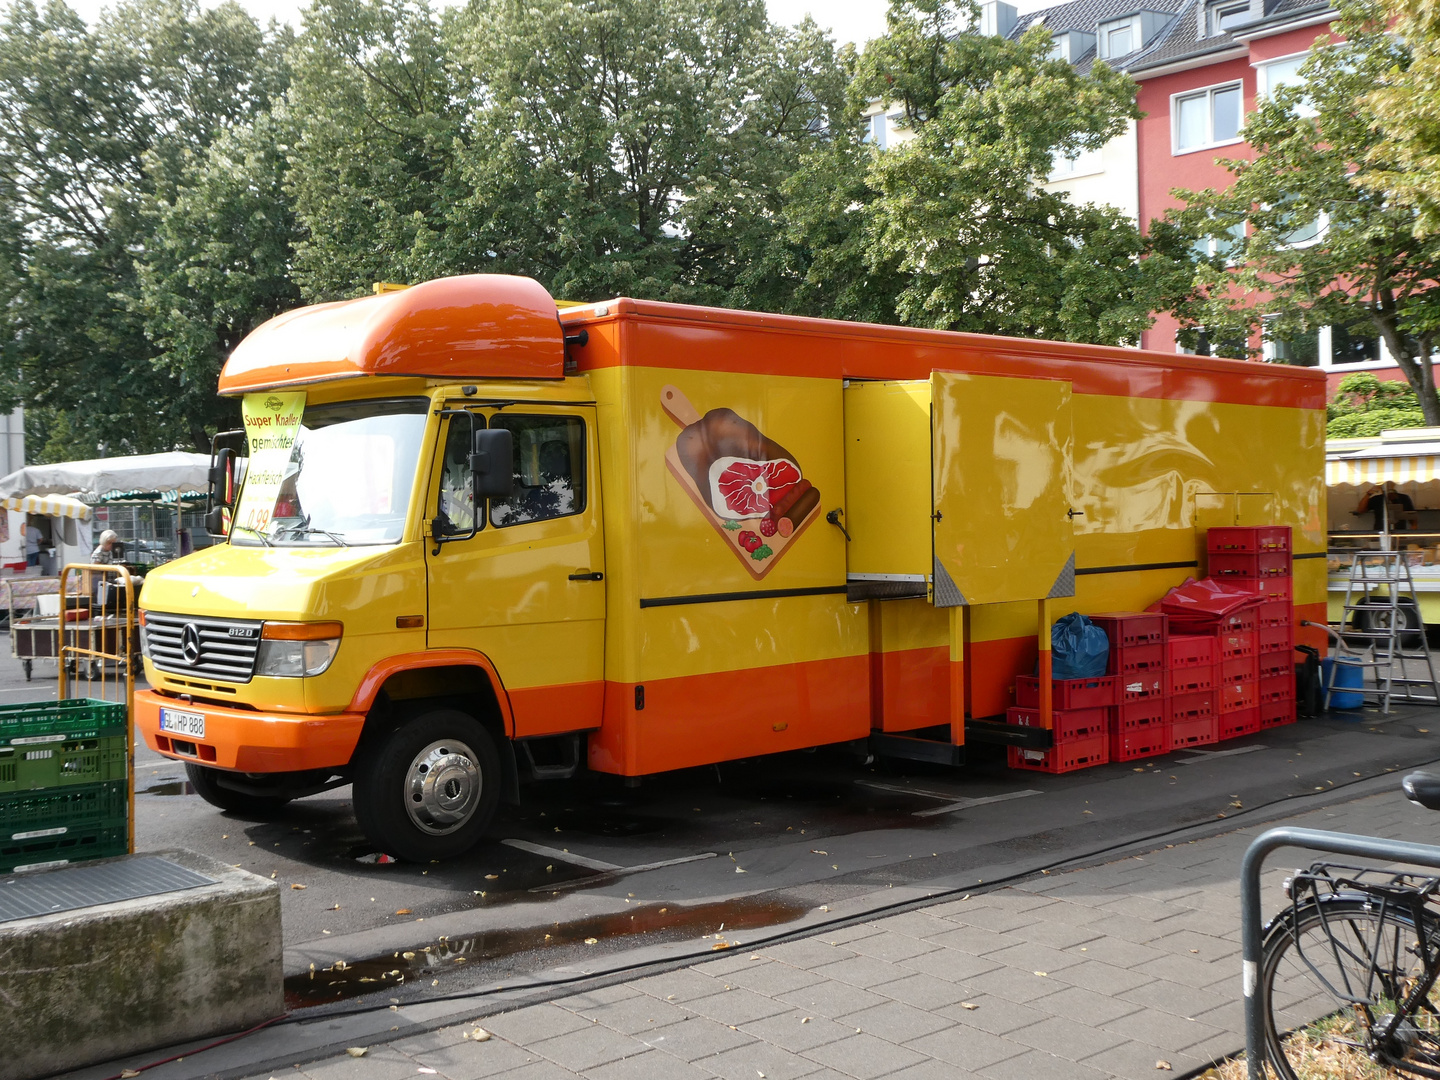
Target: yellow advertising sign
{"type": "Point", "coordinates": [272, 422]}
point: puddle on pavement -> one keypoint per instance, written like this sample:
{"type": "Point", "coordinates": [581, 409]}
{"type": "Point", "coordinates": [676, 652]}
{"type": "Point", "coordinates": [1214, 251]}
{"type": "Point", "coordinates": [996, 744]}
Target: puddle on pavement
{"type": "Point", "coordinates": [170, 787]}
{"type": "Point", "coordinates": [668, 922]}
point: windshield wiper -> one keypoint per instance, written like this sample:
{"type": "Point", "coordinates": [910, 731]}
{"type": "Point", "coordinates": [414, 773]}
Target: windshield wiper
{"type": "Point", "coordinates": [258, 534]}
{"type": "Point", "coordinates": [304, 528]}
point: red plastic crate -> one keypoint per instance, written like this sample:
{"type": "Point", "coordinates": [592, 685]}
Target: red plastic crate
{"type": "Point", "coordinates": [1235, 724]}
{"type": "Point", "coordinates": [1248, 539]}
{"type": "Point", "coordinates": [1238, 669]}
{"type": "Point", "coordinates": [1063, 757]}
{"type": "Point", "coordinates": [1236, 697]}
{"type": "Point", "coordinates": [1092, 693]}
{"type": "Point", "coordinates": [1276, 713]}
{"type": "Point", "coordinates": [1190, 680]}
{"type": "Point", "coordinates": [1274, 613]}
{"type": "Point", "coordinates": [1185, 708]}
{"type": "Point", "coordinates": [1129, 628]}
{"type": "Point", "coordinates": [1264, 564]}
{"type": "Point", "coordinates": [1244, 619]}
{"type": "Point", "coordinates": [1277, 688]}
{"type": "Point", "coordinates": [1189, 651]}
{"type": "Point", "coordinates": [1140, 742]}
{"type": "Point", "coordinates": [1276, 639]}
{"type": "Point", "coordinates": [1131, 659]}
{"type": "Point", "coordinates": [1187, 733]}
{"type": "Point", "coordinates": [1141, 686]}
{"type": "Point", "coordinates": [1233, 643]}
{"type": "Point", "coordinates": [1138, 714]}
{"type": "Point", "coordinates": [1069, 724]}
{"type": "Point", "coordinates": [1267, 589]}
{"type": "Point", "coordinates": [1275, 663]}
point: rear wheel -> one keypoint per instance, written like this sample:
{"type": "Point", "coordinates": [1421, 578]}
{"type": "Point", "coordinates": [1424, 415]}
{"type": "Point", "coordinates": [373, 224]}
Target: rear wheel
{"type": "Point", "coordinates": [429, 788]}
{"type": "Point", "coordinates": [210, 785]}
{"type": "Point", "coordinates": [1332, 976]}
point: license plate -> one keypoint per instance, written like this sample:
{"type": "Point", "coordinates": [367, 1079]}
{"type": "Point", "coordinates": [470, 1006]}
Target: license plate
{"type": "Point", "coordinates": [183, 723]}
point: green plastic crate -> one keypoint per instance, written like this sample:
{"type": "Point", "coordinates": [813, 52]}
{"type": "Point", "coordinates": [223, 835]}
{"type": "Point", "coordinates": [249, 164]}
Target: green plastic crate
{"type": "Point", "coordinates": [84, 806]}
{"type": "Point", "coordinates": [78, 718]}
{"type": "Point", "coordinates": [28, 767]}
{"type": "Point", "coordinates": [75, 845]}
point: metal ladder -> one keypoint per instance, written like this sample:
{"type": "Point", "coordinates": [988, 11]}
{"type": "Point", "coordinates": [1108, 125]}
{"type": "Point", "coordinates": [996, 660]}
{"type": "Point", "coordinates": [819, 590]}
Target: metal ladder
{"type": "Point", "coordinates": [1385, 634]}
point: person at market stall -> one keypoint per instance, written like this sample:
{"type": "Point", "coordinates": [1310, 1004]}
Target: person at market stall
{"type": "Point", "coordinates": [108, 550]}
{"type": "Point", "coordinates": [1387, 500]}
{"type": "Point", "coordinates": [33, 536]}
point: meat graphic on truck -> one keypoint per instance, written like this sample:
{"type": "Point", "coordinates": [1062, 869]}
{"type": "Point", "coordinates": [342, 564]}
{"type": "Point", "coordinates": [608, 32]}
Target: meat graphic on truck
{"type": "Point", "coordinates": [748, 486]}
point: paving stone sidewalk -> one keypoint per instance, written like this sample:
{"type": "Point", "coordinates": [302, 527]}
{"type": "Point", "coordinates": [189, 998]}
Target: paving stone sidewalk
{"type": "Point", "coordinates": [1092, 973]}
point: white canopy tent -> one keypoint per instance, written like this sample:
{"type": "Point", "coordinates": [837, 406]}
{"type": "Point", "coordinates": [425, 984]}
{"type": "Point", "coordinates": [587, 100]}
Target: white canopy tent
{"type": "Point", "coordinates": [94, 479]}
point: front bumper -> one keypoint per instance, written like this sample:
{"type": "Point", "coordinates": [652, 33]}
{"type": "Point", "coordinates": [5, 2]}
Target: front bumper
{"type": "Point", "coordinates": [253, 742]}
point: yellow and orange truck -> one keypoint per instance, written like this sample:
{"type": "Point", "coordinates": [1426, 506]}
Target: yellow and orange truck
{"type": "Point", "coordinates": [482, 537]}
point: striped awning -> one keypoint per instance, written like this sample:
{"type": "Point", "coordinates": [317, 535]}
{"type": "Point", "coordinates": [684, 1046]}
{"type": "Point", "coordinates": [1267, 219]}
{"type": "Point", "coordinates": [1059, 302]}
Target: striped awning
{"type": "Point", "coordinates": [48, 505]}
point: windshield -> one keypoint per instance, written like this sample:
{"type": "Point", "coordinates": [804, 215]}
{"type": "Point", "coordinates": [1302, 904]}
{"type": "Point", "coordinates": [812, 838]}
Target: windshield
{"type": "Point", "coordinates": [349, 477]}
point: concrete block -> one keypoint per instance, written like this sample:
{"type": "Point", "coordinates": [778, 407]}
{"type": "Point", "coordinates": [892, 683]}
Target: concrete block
{"type": "Point", "coordinates": [90, 985]}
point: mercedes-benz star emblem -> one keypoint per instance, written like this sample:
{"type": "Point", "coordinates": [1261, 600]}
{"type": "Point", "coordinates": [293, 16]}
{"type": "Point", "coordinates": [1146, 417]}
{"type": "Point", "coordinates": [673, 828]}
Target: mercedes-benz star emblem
{"type": "Point", "coordinates": [190, 644]}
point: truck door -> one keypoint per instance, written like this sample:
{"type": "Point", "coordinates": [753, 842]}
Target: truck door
{"type": "Point", "coordinates": [528, 589]}
{"type": "Point", "coordinates": [1001, 474]}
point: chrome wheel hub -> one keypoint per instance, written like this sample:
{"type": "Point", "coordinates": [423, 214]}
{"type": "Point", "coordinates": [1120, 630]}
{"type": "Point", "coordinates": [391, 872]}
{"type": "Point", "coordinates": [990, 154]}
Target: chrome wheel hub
{"type": "Point", "coordinates": [442, 787]}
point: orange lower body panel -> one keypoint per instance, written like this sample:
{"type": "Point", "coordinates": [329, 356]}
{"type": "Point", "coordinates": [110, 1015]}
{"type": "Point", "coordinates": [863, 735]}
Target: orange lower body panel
{"type": "Point", "coordinates": [699, 719]}
{"type": "Point", "coordinates": [251, 741]}
{"type": "Point", "coordinates": [556, 710]}
{"type": "Point", "coordinates": [911, 688]}
{"type": "Point", "coordinates": [992, 667]}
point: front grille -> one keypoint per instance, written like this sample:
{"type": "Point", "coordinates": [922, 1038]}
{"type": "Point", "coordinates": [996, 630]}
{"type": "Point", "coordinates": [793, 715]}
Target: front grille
{"type": "Point", "coordinates": [227, 647]}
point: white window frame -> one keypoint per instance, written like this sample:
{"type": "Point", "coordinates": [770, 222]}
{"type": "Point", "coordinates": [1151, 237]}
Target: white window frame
{"type": "Point", "coordinates": [1102, 37]}
{"type": "Point", "coordinates": [1208, 92]}
{"type": "Point", "coordinates": [1085, 163]}
{"type": "Point", "coordinates": [1213, 8]}
{"type": "Point", "coordinates": [1263, 89]}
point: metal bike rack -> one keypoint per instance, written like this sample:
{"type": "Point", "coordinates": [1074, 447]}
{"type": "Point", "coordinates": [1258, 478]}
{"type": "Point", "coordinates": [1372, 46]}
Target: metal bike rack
{"type": "Point", "coordinates": [1251, 924]}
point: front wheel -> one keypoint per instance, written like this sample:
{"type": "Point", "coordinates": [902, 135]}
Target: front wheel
{"type": "Point", "coordinates": [429, 788]}
{"type": "Point", "coordinates": [1333, 977]}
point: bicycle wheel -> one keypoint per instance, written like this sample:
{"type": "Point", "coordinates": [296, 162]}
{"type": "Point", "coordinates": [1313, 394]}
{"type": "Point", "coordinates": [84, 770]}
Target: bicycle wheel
{"type": "Point", "coordinates": [1331, 975]}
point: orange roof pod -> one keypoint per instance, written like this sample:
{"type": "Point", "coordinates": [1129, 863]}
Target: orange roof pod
{"type": "Point", "coordinates": [479, 326]}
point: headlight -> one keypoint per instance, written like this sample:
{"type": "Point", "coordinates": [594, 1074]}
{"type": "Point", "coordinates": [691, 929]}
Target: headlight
{"type": "Point", "coordinates": [291, 650]}
{"type": "Point", "coordinates": [144, 637]}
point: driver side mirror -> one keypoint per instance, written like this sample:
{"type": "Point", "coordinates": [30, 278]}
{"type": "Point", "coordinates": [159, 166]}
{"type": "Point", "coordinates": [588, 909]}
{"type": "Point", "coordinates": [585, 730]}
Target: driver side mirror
{"type": "Point", "coordinates": [491, 463]}
{"type": "Point", "coordinates": [221, 496]}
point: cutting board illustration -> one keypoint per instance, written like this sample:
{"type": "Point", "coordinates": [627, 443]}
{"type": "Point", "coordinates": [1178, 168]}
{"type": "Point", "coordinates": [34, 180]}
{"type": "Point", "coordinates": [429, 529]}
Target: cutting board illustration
{"type": "Point", "coordinates": [732, 439]}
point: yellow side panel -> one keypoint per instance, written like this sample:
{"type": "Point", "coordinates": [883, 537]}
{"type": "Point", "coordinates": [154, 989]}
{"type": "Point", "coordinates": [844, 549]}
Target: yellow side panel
{"type": "Point", "coordinates": [887, 484]}
{"type": "Point", "coordinates": [1001, 476]}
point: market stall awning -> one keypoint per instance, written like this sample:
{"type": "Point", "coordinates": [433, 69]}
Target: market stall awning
{"type": "Point", "coordinates": [48, 505]}
{"type": "Point", "coordinates": [172, 471]}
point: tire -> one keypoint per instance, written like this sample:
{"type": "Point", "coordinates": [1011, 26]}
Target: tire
{"type": "Point", "coordinates": [1345, 942]}
{"type": "Point", "coordinates": [429, 788]}
{"type": "Point", "coordinates": [1375, 615]}
{"type": "Point", "coordinates": [208, 785]}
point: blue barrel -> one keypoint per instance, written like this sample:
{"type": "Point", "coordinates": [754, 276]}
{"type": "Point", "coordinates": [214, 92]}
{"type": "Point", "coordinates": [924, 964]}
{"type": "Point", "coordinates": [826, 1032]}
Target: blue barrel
{"type": "Point", "coordinates": [1350, 677]}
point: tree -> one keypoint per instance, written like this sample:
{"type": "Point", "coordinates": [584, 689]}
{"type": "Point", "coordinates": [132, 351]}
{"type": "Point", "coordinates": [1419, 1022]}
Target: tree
{"type": "Point", "coordinates": [954, 224]}
{"type": "Point", "coordinates": [1408, 106]}
{"type": "Point", "coordinates": [1364, 405]}
{"type": "Point", "coordinates": [1320, 245]}
{"type": "Point", "coordinates": [95, 127]}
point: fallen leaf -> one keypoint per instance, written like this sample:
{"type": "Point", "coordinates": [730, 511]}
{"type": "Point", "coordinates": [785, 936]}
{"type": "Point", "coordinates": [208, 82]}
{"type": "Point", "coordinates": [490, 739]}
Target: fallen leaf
{"type": "Point", "coordinates": [1423, 731]}
{"type": "Point", "coordinates": [592, 941]}
{"type": "Point", "coordinates": [1137, 770]}
{"type": "Point", "coordinates": [296, 885]}
{"type": "Point", "coordinates": [969, 1006]}
{"type": "Point", "coordinates": [408, 955]}
{"type": "Point", "coordinates": [128, 1073]}
{"type": "Point", "coordinates": [834, 867]}
{"type": "Point", "coordinates": [334, 907]}
{"type": "Point", "coordinates": [804, 1019]}
{"type": "Point", "coordinates": [1163, 1065]}
{"type": "Point", "coordinates": [739, 871]}
{"type": "Point", "coordinates": [480, 1035]}
{"type": "Point", "coordinates": [1043, 974]}
{"type": "Point", "coordinates": [403, 911]}
{"type": "Point", "coordinates": [492, 877]}
{"type": "Point", "coordinates": [1238, 805]}
{"type": "Point", "coordinates": [824, 907]}
{"type": "Point", "coordinates": [817, 851]}
{"type": "Point", "coordinates": [425, 1070]}
{"type": "Point", "coordinates": [356, 1051]}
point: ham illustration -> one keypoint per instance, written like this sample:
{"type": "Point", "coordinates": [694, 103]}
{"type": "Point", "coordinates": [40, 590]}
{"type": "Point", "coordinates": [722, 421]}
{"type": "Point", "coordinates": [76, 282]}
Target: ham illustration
{"type": "Point", "coordinates": [743, 488]}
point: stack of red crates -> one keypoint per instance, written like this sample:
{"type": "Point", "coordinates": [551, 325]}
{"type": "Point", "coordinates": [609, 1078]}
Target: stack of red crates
{"type": "Point", "coordinates": [1140, 721]}
{"type": "Point", "coordinates": [1191, 679]}
{"type": "Point", "coordinates": [1081, 716]}
{"type": "Point", "coordinates": [1259, 558]}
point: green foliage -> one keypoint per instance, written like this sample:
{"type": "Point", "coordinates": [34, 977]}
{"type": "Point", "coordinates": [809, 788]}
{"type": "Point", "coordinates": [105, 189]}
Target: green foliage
{"type": "Point", "coordinates": [1365, 405]}
{"type": "Point", "coordinates": [1407, 104]}
{"type": "Point", "coordinates": [1363, 269]}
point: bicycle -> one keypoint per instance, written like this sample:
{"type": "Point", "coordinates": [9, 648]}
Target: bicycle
{"type": "Point", "coordinates": [1358, 947]}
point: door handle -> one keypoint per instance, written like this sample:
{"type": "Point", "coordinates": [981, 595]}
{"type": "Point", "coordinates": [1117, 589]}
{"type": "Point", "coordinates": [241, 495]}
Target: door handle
{"type": "Point", "coordinates": [1072, 513]}
{"type": "Point", "coordinates": [588, 575]}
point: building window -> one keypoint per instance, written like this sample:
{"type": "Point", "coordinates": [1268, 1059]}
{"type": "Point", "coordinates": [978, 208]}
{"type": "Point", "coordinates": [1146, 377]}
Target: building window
{"type": "Point", "coordinates": [1209, 117]}
{"type": "Point", "coordinates": [1347, 348]}
{"type": "Point", "coordinates": [1299, 348]}
{"type": "Point", "coordinates": [1222, 244]}
{"type": "Point", "coordinates": [1271, 76]}
{"type": "Point", "coordinates": [875, 130]}
{"type": "Point", "coordinates": [1224, 17]}
{"type": "Point", "coordinates": [1084, 163]}
{"type": "Point", "coordinates": [1118, 38]}
{"type": "Point", "coordinates": [1196, 342]}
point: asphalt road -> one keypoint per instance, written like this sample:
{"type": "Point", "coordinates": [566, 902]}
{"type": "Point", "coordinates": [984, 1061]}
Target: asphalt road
{"type": "Point", "coordinates": [590, 867]}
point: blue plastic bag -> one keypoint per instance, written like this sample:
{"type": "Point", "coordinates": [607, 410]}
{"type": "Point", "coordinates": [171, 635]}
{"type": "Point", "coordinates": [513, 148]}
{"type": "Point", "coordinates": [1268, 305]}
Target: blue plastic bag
{"type": "Point", "coordinates": [1079, 648]}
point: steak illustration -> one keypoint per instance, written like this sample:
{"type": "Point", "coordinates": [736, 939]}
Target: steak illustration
{"type": "Point", "coordinates": [740, 488]}
{"type": "Point", "coordinates": [720, 435]}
